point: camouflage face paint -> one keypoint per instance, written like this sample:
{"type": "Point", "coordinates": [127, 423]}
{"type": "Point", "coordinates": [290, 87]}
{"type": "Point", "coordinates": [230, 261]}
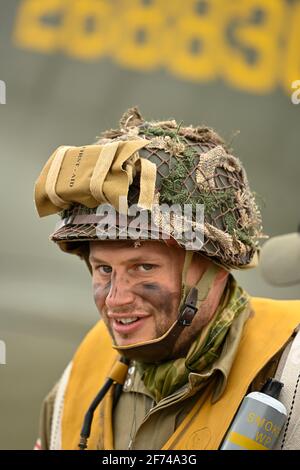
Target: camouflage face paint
{"type": "Point", "coordinates": [158, 296]}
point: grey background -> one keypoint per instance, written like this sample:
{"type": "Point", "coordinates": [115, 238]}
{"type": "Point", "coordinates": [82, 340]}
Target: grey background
{"type": "Point", "coordinates": [46, 303]}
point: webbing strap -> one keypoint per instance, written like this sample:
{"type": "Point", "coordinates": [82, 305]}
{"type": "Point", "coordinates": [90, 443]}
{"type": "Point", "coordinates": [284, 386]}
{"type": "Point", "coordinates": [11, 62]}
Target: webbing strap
{"type": "Point", "coordinates": [147, 184]}
{"type": "Point", "coordinates": [52, 177]}
{"type": "Point", "coordinates": [101, 169]}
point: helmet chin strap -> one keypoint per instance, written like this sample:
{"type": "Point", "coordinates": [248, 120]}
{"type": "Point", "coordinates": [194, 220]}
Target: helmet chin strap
{"type": "Point", "coordinates": [192, 298]}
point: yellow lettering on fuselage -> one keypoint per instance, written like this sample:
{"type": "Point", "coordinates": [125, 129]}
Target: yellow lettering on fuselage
{"type": "Point", "coordinates": [251, 44]}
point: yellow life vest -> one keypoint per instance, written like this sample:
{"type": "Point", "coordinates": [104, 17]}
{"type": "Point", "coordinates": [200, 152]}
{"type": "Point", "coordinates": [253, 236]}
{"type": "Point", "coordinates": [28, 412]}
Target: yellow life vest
{"type": "Point", "coordinates": [265, 333]}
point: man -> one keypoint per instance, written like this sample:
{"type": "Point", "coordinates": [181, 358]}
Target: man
{"type": "Point", "coordinates": [179, 343]}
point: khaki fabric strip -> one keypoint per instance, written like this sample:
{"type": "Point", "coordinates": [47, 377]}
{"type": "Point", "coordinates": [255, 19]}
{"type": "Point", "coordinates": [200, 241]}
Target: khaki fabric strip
{"type": "Point", "coordinates": [53, 176]}
{"type": "Point", "coordinates": [184, 288]}
{"type": "Point", "coordinates": [131, 166]}
{"type": "Point", "coordinates": [117, 181]}
{"type": "Point", "coordinates": [206, 282]}
{"type": "Point", "coordinates": [147, 184]}
{"type": "Point", "coordinates": [187, 263]}
{"type": "Point", "coordinates": [101, 169]}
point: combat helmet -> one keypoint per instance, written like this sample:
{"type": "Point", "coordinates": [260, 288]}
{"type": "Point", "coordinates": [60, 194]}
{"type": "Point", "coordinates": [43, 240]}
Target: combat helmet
{"type": "Point", "coordinates": [150, 164]}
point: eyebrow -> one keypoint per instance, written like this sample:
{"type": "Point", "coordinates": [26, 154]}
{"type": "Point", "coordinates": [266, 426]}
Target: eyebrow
{"type": "Point", "coordinates": [136, 259]}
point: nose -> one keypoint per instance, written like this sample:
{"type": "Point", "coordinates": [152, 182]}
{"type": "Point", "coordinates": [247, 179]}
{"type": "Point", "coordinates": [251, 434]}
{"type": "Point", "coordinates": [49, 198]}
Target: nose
{"type": "Point", "coordinates": [120, 293]}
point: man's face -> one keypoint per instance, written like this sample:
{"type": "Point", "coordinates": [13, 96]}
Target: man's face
{"type": "Point", "coordinates": [136, 290]}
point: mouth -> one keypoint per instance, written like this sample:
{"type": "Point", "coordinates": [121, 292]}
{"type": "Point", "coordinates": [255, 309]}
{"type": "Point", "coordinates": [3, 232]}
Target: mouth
{"type": "Point", "coordinates": [126, 325]}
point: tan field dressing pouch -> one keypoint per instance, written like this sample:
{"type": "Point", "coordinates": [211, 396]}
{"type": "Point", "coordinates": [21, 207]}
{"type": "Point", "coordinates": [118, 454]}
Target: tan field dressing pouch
{"type": "Point", "coordinates": [265, 333]}
{"type": "Point", "coordinates": [93, 175]}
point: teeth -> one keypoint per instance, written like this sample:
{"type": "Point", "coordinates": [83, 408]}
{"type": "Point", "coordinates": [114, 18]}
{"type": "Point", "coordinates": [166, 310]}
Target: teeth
{"type": "Point", "coordinates": [125, 321]}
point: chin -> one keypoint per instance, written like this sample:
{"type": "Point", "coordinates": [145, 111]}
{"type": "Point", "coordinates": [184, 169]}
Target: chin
{"type": "Point", "coordinates": [119, 341]}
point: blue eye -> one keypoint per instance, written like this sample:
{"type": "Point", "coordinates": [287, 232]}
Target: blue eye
{"type": "Point", "coordinates": [105, 269]}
